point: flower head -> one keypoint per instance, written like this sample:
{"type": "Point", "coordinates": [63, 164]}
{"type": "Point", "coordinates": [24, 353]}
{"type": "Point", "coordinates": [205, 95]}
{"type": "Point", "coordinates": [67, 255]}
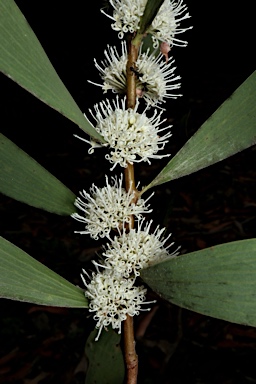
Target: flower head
{"type": "Point", "coordinates": [113, 298]}
{"type": "Point", "coordinates": [165, 26]}
{"type": "Point", "coordinates": [155, 80]}
{"type": "Point", "coordinates": [108, 208]}
{"type": "Point", "coordinates": [131, 136]}
{"type": "Point", "coordinates": [128, 253]}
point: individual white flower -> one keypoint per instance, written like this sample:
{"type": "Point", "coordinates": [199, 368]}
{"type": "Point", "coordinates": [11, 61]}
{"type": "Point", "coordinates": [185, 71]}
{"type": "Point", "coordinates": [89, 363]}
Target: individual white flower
{"type": "Point", "coordinates": [165, 26]}
{"type": "Point", "coordinates": [108, 208]}
{"type": "Point", "coordinates": [155, 79]}
{"type": "Point", "coordinates": [131, 136]}
{"type": "Point", "coordinates": [113, 298]}
{"type": "Point", "coordinates": [128, 253]}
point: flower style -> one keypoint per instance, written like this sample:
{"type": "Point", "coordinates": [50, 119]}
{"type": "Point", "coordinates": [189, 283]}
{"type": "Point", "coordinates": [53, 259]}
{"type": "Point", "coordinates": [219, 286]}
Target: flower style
{"type": "Point", "coordinates": [108, 208]}
{"type": "Point", "coordinates": [128, 133]}
{"type": "Point", "coordinates": [113, 298]}
{"type": "Point", "coordinates": [154, 78]}
{"type": "Point", "coordinates": [128, 253]}
{"type": "Point", "coordinates": [165, 26]}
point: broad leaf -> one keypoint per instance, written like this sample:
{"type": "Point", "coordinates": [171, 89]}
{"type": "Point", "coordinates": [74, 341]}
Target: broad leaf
{"type": "Point", "coordinates": [218, 281]}
{"type": "Point", "coordinates": [231, 129]}
{"type": "Point", "coordinates": [23, 179]}
{"type": "Point", "coordinates": [23, 278]}
{"type": "Point", "coordinates": [23, 59]}
{"type": "Point", "coordinates": [106, 364]}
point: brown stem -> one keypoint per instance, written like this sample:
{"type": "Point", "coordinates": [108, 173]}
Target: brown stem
{"type": "Point", "coordinates": [131, 74]}
{"type": "Point", "coordinates": [130, 187]}
{"type": "Point", "coordinates": [129, 178]}
{"type": "Point", "coordinates": [131, 358]}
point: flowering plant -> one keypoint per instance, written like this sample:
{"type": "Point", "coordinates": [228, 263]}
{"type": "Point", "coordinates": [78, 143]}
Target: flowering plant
{"type": "Point", "coordinates": [129, 128]}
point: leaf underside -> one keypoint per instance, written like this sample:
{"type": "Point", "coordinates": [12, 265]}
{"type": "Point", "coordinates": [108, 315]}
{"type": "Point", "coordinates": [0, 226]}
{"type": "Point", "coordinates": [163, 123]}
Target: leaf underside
{"type": "Point", "coordinates": [23, 179]}
{"type": "Point", "coordinates": [231, 129]}
{"type": "Point", "coordinates": [106, 364]}
{"type": "Point", "coordinates": [25, 279]}
{"type": "Point", "coordinates": [218, 281]}
{"type": "Point", "coordinates": [23, 59]}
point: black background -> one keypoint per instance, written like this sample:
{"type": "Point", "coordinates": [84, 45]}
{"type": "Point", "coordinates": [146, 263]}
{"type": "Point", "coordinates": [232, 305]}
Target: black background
{"type": "Point", "coordinates": [212, 206]}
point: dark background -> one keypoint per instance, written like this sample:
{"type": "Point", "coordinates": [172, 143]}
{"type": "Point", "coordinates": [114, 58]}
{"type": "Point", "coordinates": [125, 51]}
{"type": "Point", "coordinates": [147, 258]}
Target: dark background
{"type": "Point", "coordinates": [215, 205]}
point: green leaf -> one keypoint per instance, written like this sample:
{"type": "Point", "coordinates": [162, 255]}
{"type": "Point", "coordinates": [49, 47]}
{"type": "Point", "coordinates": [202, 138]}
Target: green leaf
{"type": "Point", "coordinates": [23, 179]}
{"type": "Point", "coordinates": [229, 130]}
{"type": "Point", "coordinates": [148, 45]}
{"type": "Point", "coordinates": [23, 59]}
{"type": "Point", "coordinates": [219, 281]}
{"type": "Point", "coordinates": [23, 278]}
{"type": "Point", "coordinates": [106, 364]}
{"type": "Point", "coordinates": [150, 12]}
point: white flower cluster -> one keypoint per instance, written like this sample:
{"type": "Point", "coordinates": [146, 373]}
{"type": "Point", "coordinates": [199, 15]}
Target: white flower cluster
{"type": "Point", "coordinates": [112, 298]}
{"type": "Point", "coordinates": [155, 79]}
{"type": "Point", "coordinates": [166, 24]}
{"type": "Point", "coordinates": [132, 137]}
{"type": "Point", "coordinates": [108, 208]}
{"type": "Point", "coordinates": [127, 15]}
{"type": "Point", "coordinates": [112, 292]}
{"type": "Point", "coordinates": [128, 253]}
